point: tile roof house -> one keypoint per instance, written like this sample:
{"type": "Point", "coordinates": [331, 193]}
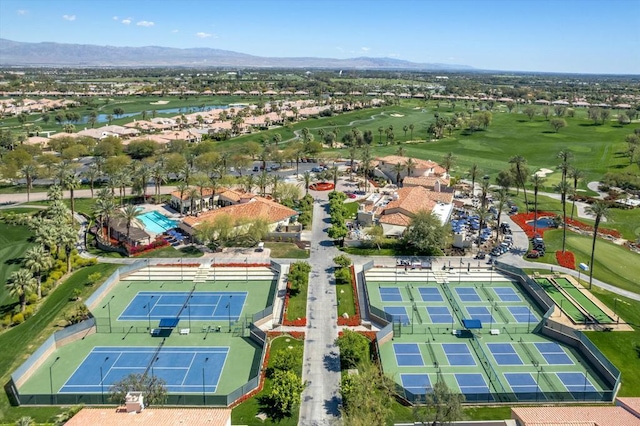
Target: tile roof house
{"type": "Point", "coordinates": [575, 416]}
{"type": "Point", "coordinates": [255, 207]}
{"type": "Point", "coordinates": [152, 417]}
{"type": "Point", "coordinates": [421, 167]}
{"type": "Point", "coordinates": [428, 193]}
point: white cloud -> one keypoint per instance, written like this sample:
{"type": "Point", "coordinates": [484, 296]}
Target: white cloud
{"type": "Point", "coordinates": [203, 35]}
{"type": "Point", "coordinates": [69, 17]}
{"type": "Point", "coordinates": [22, 12]}
{"type": "Point", "coordinates": [365, 49]}
{"type": "Point", "coordinates": [115, 18]}
{"type": "Point", "coordinates": [174, 31]}
{"type": "Point", "coordinates": [145, 24]}
{"type": "Point", "coordinates": [126, 21]}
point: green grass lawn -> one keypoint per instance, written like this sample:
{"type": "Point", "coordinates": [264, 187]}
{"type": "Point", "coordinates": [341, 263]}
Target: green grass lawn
{"type": "Point", "coordinates": [286, 251]}
{"type": "Point", "coordinates": [346, 300]}
{"type": "Point", "coordinates": [245, 413]}
{"type": "Point", "coordinates": [169, 251]}
{"type": "Point", "coordinates": [14, 242]}
{"type": "Point", "coordinates": [623, 347]}
{"type": "Point", "coordinates": [19, 342]}
{"type": "Point", "coordinates": [351, 210]}
{"type": "Point", "coordinates": [614, 264]}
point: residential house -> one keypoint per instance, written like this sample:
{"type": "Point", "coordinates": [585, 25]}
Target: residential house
{"type": "Point", "coordinates": [420, 167]}
{"type": "Point", "coordinates": [252, 207]}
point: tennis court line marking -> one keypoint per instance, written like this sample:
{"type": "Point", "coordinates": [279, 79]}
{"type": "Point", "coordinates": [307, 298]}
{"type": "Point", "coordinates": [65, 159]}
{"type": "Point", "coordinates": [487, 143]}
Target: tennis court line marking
{"type": "Point", "coordinates": [193, 357]}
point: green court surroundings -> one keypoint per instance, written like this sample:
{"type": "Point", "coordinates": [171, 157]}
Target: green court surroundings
{"type": "Point", "coordinates": [487, 333]}
{"type": "Point", "coordinates": [190, 325]}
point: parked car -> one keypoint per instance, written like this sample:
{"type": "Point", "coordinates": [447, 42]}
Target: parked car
{"type": "Point", "coordinates": [533, 254]}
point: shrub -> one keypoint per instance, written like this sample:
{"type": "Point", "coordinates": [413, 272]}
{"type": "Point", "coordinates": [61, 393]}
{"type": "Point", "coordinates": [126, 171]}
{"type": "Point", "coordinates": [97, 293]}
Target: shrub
{"type": "Point", "coordinates": [32, 298]}
{"type": "Point", "coordinates": [18, 318]}
{"type": "Point", "coordinates": [342, 261]}
{"type": "Point", "coordinates": [343, 276]}
{"type": "Point", "coordinates": [28, 311]}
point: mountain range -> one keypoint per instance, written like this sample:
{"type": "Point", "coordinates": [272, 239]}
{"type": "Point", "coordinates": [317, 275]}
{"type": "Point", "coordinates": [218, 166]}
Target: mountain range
{"type": "Point", "coordinates": [49, 54]}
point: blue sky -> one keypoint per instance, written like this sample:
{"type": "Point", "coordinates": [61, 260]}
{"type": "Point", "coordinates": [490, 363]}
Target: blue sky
{"type": "Point", "coordinates": [582, 36]}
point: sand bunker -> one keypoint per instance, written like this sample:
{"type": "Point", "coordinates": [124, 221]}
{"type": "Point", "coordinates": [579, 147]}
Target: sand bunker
{"type": "Point", "coordinates": [396, 115]}
{"type": "Point", "coordinates": [159, 103]}
{"type": "Point", "coordinates": [543, 172]}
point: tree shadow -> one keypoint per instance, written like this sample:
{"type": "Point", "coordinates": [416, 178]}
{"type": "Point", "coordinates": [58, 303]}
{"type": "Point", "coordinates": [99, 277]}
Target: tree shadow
{"type": "Point", "coordinates": [546, 132]}
{"type": "Point", "coordinates": [589, 124]}
{"type": "Point", "coordinates": [332, 406]}
{"type": "Point", "coordinates": [332, 362]}
{"type": "Point", "coordinates": [9, 307]}
{"type": "Point", "coordinates": [14, 261]}
{"type": "Point", "coordinates": [267, 406]}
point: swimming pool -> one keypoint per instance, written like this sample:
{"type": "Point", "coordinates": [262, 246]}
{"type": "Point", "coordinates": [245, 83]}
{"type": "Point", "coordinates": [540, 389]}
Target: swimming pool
{"type": "Point", "coordinates": [157, 222]}
{"type": "Point", "coordinates": [543, 222]}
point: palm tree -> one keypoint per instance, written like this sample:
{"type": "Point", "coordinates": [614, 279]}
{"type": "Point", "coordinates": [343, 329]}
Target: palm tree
{"type": "Point", "coordinates": [381, 131]}
{"type": "Point", "coordinates": [103, 210]}
{"type": "Point", "coordinates": [263, 180]}
{"type": "Point", "coordinates": [405, 128]}
{"type": "Point", "coordinates": [400, 151]}
{"type": "Point", "coordinates": [182, 187]}
{"type": "Point", "coordinates": [448, 161]}
{"type": "Point", "coordinates": [411, 127]}
{"type": "Point", "coordinates": [473, 172]}
{"type": "Point", "coordinates": [20, 283]}
{"type": "Point", "coordinates": [71, 182]}
{"type": "Point", "coordinates": [92, 173]}
{"type": "Point", "coordinates": [38, 260]}
{"type": "Point", "coordinates": [398, 168]}
{"type": "Point", "coordinates": [307, 178]}
{"type": "Point", "coordinates": [521, 176]}
{"type": "Point", "coordinates": [275, 180]}
{"type": "Point", "coordinates": [565, 157]}
{"type": "Point", "coordinates": [159, 175]}
{"type": "Point", "coordinates": [577, 175]}
{"type": "Point", "coordinates": [67, 239]}
{"type": "Point", "coordinates": [128, 213]}
{"type": "Point", "coordinates": [248, 183]}
{"type": "Point", "coordinates": [599, 209]}
{"type": "Point", "coordinates": [410, 165]}
{"type": "Point", "coordinates": [537, 181]}
{"type": "Point", "coordinates": [54, 193]}
{"type": "Point", "coordinates": [563, 188]}
{"type": "Point", "coordinates": [193, 194]}
{"type": "Point", "coordinates": [334, 173]}
{"type": "Point", "coordinates": [29, 171]}
{"type": "Point", "coordinates": [501, 200]}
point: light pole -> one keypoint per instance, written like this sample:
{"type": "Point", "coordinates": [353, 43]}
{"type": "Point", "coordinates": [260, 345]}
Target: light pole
{"type": "Point", "coordinates": [537, 385]}
{"type": "Point", "coordinates": [51, 378]}
{"type": "Point", "coordinates": [229, 311]}
{"type": "Point", "coordinates": [204, 395]}
{"type": "Point", "coordinates": [149, 312]}
{"type": "Point", "coordinates": [108, 306]}
{"type": "Point", "coordinates": [154, 361]}
{"type": "Point", "coordinates": [189, 309]}
{"type": "Point", "coordinates": [615, 311]}
{"type": "Point", "coordinates": [102, 379]}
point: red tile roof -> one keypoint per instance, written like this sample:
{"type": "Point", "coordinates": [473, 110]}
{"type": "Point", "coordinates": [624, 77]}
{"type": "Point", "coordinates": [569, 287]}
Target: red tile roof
{"type": "Point", "coordinates": [152, 417]}
{"type": "Point", "coordinates": [258, 207]}
{"type": "Point", "coordinates": [565, 416]}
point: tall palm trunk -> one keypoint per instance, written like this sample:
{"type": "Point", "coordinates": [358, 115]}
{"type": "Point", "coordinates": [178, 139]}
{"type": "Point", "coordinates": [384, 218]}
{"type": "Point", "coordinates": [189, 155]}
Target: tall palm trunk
{"type": "Point", "coordinates": [593, 248]}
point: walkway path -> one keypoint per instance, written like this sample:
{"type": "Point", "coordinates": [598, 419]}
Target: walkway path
{"type": "Point", "coordinates": [321, 367]}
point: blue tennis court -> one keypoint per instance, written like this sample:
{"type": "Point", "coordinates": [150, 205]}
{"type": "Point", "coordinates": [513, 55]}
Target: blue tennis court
{"type": "Point", "coordinates": [522, 383]}
{"type": "Point", "coordinates": [553, 353]}
{"type": "Point", "coordinates": [390, 294]}
{"type": "Point", "coordinates": [472, 384]}
{"type": "Point", "coordinates": [504, 354]}
{"type": "Point", "coordinates": [430, 294]}
{"type": "Point", "coordinates": [468, 294]}
{"type": "Point", "coordinates": [576, 382]}
{"type": "Point", "coordinates": [507, 294]}
{"type": "Point", "coordinates": [417, 384]}
{"type": "Point", "coordinates": [480, 313]}
{"type": "Point", "coordinates": [522, 314]}
{"type": "Point", "coordinates": [184, 369]}
{"type": "Point", "coordinates": [408, 354]}
{"type": "Point", "coordinates": [439, 314]}
{"type": "Point", "coordinates": [399, 314]}
{"type": "Point", "coordinates": [199, 306]}
{"type": "Point", "coordinates": [458, 354]}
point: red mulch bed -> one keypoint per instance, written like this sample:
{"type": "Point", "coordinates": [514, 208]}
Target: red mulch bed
{"type": "Point", "coordinates": [566, 259]}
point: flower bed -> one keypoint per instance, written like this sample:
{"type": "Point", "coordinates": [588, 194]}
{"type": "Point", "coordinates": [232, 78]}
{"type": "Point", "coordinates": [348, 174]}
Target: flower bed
{"type": "Point", "coordinates": [178, 265]}
{"type": "Point", "coordinates": [588, 228]}
{"type": "Point", "coordinates": [322, 186]}
{"type": "Point", "coordinates": [137, 250]}
{"type": "Point", "coordinates": [355, 320]}
{"type": "Point", "coordinates": [521, 220]}
{"type": "Point", "coordinates": [566, 259]}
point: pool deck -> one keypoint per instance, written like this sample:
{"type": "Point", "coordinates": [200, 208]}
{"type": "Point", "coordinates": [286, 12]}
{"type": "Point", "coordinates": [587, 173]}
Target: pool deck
{"type": "Point", "coordinates": [163, 209]}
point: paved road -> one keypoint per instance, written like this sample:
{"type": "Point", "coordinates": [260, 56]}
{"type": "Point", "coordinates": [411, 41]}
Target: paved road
{"type": "Point", "coordinates": [321, 367]}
